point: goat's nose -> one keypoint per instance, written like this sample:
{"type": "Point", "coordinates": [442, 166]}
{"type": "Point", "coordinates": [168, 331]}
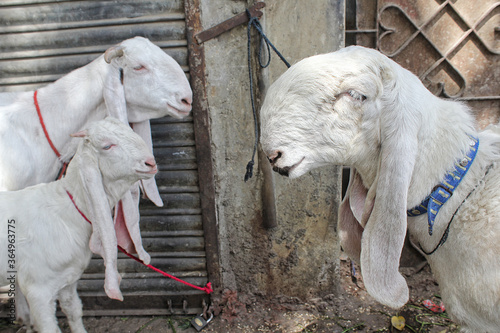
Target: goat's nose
{"type": "Point", "coordinates": [187, 101]}
{"type": "Point", "coordinates": [274, 156]}
{"type": "Point", "coordinates": [150, 162]}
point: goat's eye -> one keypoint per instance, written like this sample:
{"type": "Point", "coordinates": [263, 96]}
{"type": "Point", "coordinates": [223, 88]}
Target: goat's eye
{"type": "Point", "coordinates": [356, 95]}
{"type": "Point", "coordinates": [108, 147]}
{"type": "Point", "coordinates": [139, 68]}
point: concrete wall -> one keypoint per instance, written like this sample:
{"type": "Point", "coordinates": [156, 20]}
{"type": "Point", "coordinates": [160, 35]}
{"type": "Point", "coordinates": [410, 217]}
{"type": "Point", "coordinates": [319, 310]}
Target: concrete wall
{"type": "Point", "coordinates": [299, 257]}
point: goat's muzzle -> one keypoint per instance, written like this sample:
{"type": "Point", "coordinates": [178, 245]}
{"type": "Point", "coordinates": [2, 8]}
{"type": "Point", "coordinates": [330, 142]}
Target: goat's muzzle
{"type": "Point", "coordinates": [273, 158]}
{"type": "Point", "coordinates": [282, 171]}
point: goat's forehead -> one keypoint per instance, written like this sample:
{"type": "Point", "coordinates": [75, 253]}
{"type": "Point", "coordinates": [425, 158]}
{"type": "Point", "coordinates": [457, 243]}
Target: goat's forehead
{"type": "Point", "coordinates": [332, 68]}
{"type": "Point", "coordinates": [302, 84]}
{"type": "Point", "coordinates": [106, 130]}
{"type": "Point", "coordinates": [324, 76]}
{"type": "Point", "coordinates": [143, 48]}
{"type": "Point", "coordinates": [139, 43]}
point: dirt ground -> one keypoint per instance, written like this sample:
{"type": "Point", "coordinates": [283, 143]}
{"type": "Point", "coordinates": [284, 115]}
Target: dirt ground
{"type": "Point", "coordinates": [353, 310]}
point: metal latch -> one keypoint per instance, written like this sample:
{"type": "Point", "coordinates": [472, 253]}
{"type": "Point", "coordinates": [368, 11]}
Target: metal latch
{"type": "Point", "coordinates": [229, 24]}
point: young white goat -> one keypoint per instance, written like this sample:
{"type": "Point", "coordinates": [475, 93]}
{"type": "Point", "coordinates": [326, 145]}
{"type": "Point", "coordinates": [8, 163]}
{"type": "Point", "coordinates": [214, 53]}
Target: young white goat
{"type": "Point", "coordinates": [48, 239]}
{"type": "Point", "coordinates": [357, 107]}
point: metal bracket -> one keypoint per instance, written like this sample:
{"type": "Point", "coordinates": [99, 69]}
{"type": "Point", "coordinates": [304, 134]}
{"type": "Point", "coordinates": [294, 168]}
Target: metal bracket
{"type": "Point", "coordinates": [229, 24]}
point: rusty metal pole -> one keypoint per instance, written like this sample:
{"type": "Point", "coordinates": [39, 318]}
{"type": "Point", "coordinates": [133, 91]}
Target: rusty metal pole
{"type": "Point", "coordinates": [269, 219]}
{"type": "Point", "coordinates": [201, 124]}
{"type": "Point", "coordinates": [269, 216]}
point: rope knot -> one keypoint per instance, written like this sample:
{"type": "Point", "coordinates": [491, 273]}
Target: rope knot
{"type": "Point", "coordinates": [249, 172]}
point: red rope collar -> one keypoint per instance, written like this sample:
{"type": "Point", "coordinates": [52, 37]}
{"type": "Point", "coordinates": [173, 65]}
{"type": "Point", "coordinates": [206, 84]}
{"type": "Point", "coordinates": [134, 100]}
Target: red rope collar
{"type": "Point", "coordinates": [43, 125]}
{"type": "Point", "coordinates": [208, 288]}
{"type": "Point", "coordinates": [40, 118]}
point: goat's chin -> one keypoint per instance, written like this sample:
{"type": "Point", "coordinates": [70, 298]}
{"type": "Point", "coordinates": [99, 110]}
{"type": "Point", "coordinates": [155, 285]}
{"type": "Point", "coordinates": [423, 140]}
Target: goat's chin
{"type": "Point", "coordinates": [294, 171]}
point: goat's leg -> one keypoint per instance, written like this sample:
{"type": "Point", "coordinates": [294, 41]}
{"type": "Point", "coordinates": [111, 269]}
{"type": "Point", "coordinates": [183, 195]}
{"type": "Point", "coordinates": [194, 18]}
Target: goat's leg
{"type": "Point", "coordinates": [42, 305]}
{"type": "Point", "coordinates": [22, 310]}
{"type": "Point", "coordinates": [71, 305]}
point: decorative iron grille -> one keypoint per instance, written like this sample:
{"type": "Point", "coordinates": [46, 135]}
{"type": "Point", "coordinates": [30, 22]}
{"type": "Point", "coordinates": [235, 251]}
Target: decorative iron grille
{"type": "Point", "coordinates": [452, 45]}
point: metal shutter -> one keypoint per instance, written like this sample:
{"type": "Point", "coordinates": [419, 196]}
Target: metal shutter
{"type": "Point", "coordinates": [40, 41]}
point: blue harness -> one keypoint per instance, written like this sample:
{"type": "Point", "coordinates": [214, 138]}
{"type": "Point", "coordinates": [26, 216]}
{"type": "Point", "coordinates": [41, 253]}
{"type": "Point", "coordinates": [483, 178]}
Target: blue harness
{"type": "Point", "coordinates": [443, 191]}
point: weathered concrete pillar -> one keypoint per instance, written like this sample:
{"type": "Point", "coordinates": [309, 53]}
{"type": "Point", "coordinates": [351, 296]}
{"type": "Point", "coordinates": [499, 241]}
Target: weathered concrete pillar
{"type": "Point", "coordinates": [299, 257]}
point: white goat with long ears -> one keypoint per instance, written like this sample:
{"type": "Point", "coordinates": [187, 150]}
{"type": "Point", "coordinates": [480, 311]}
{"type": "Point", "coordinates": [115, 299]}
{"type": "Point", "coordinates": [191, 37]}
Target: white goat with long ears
{"type": "Point", "coordinates": [43, 227]}
{"type": "Point", "coordinates": [358, 108]}
{"type": "Point", "coordinates": [134, 81]}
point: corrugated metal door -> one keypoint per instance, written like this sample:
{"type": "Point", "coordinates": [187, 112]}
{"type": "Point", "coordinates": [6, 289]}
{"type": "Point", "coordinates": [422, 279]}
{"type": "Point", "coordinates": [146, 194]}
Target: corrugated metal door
{"type": "Point", "coordinates": [41, 40]}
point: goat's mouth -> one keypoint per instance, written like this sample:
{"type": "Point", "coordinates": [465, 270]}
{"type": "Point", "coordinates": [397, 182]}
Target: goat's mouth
{"type": "Point", "coordinates": [179, 113]}
{"type": "Point", "coordinates": [285, 171]}
{"type": "Point", "coordinates": [282, 171]}
{"type": "Point", "coordinates": [151, 171]}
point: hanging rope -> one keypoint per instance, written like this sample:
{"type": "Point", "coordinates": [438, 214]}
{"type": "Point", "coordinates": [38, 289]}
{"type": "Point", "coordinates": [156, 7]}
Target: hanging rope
{"type": "Point", "coordinates": [254, 21]}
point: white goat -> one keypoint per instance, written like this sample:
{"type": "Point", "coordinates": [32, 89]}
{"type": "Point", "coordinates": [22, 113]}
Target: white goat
{"type": "Point", "coordinates": [45, 239]}
{"type": "Point", "coordinates": [357, 107]}
{"type": "Point", "coordinates": [134, 81]}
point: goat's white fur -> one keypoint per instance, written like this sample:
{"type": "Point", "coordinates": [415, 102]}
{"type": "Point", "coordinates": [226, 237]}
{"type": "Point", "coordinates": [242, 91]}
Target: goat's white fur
{"type": "Point", "coordinates": [51, 239]}
{"type": "Point", "coordinates": [358, 108]}
{"type": "Point", "coordinates": [153, 86]}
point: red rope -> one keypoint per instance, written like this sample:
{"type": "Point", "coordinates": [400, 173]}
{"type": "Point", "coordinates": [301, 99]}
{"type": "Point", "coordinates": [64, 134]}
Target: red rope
{"type": "Point", "coordinates": [40, 118]}
{"type": "Point", "coordinates": [208, 288]}
{"type": "Point", "coordinates": [43, 125]}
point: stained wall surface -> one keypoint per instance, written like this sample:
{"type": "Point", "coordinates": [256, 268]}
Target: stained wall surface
{"type": "Point", "coordinates": [298, 257]}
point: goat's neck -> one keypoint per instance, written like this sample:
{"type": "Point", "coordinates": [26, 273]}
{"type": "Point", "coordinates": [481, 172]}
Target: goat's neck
{"type": "Point", "coordinates": [368, 166]}
{"type": "Point", "coordinates": [116, 190]}
{"type": "Point", "coordinates": [442, 141]}
{"type": "Point", "coordinates": [74, 100]}
{"type": "Point", "coordinates": [73, 183]}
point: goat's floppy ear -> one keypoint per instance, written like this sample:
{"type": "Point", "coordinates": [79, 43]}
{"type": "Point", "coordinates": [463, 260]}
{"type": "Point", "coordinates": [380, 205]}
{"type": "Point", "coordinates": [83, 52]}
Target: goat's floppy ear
{"type": "Point", "coordinates": [103, 239]}
{"type": "Point", "coordinates": [385, 230]}
{"type": "Point", "coordinates": [127, 230]}
{"type": "Point", "coordinates": [350, 214]}
{"type": "Point", "coordinates": [148, 186]}
{"type": "Point", "coordinates": [113, 93]}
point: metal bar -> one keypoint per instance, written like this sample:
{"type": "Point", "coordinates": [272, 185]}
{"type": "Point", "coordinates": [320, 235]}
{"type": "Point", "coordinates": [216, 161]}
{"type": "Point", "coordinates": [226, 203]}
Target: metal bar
{"type": "Point", "coordinates": [138, 312]}
{"type": "Point", "coordinates": [229, 24]}
{"type": "Point", "coordinates": [269, 218]}
{"type": "Point", "coordinates": [90, 24]}
{"type": "Point", "coordinates": [97, 49]}
{"type": "Point", "coordinates": [361, 31]}
{"type": "Point", "coordinates": [203, 142]}
{"type": "Point", "coordinates": [479, 98]}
